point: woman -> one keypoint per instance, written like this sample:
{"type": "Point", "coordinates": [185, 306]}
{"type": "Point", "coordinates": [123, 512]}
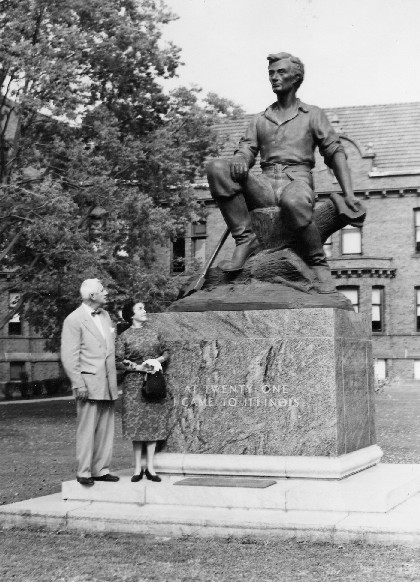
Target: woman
{"type": "Point", "coordinates": [140, 349]}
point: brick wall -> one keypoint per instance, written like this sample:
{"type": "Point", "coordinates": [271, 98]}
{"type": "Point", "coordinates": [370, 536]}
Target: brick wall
{"type": "Point", "coordinates": [43, 370]}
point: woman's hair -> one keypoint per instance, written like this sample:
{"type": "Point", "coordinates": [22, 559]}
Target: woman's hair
{"type": "Point", "coordinates": [127, 311]}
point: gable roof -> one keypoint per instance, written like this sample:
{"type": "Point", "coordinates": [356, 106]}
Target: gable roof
{"type": "Point", "coordinates": [393, 129]}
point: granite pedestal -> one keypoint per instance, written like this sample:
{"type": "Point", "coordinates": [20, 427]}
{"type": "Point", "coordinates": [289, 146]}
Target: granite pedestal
{"type": "Point", "coordinates": [254, 390]}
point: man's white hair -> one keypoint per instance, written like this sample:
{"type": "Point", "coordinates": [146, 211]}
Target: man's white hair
{"type": "Point", "coordinates": [89, 286]}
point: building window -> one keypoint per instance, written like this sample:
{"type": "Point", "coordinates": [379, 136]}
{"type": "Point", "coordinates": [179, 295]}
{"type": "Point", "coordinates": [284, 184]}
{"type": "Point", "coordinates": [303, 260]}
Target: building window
{"type": "Point", "coordinates": [17, 371]}
{"type": "Point", "coordinates": [15, 324]}
{"type": "Point", "coordinates": [352, 293]}
{"type": "Point", "coordinates": [377, 308]}
{"type": "Point", "coordinates": [198, 240]}
{"type": "Point", "coordinates": [417, 229]}
{"type": "Point", "coordinates": [199, 228]}
{"type": "Point", "coordinates": [178, 255]}
{"type": "Point", "coordinates": [351, 240]}
{"type": "Point", "coordinates": [328, 247]}
{"type": "Point", "coordinates": [380, 369]}
{"type": "Point", "coordinates": [417, 308]}
{"type": "Point", "coordinates": [416, 369]}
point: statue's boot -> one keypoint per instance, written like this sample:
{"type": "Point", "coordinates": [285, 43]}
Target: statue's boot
{"type": "Point", "coordinates": [238, 220]}
{"type": "Point", "coordinates": [316, 259]}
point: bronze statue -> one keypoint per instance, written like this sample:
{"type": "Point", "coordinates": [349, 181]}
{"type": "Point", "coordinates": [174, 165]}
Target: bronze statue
{"type": "Point", "coordinates": [286, 135]}
{"type": "Point", "coordinates": [96, 224]}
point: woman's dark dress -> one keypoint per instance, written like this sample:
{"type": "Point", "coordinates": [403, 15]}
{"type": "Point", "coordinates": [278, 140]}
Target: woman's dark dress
{"type": "Point", "coordinates": [141, 420]}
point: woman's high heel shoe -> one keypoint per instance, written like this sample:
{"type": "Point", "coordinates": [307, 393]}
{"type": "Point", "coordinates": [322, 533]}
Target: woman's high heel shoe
{"type": "Point", "coordinates": [136, 478]}
{"type": "Point", "coordinates": [151, 477]}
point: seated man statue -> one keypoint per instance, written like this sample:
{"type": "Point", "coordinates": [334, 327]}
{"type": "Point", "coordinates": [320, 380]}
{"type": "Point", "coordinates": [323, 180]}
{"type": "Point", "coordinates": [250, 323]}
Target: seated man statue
{"type": "Point", "coordinates": [286, 135]}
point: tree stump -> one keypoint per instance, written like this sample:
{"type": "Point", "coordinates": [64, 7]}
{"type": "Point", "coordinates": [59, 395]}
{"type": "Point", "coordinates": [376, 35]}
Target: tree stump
{"type": "Point", "coordinates": [267, 225]}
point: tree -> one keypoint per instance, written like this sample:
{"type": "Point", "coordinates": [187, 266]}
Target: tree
{"type": "Point", "coordinates": [88, 136]}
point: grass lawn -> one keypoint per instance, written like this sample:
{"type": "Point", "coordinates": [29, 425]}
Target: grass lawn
{"type": "Point", "coordinates": [38, 447]}
{"type": "Point", "coordinates": [398, 424]}
{"type": "Point", "coordinates": [37, 453]}
{"type": "Point", "coordinates": [49, 557]}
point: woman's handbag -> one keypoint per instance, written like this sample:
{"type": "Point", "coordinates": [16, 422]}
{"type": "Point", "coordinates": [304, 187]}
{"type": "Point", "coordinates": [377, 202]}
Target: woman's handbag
{"type": "Point", "coordinates": [154, 387]}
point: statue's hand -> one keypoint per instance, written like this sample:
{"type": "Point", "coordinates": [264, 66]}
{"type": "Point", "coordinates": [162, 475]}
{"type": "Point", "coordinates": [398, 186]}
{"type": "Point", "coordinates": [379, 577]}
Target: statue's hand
{"type": "Point", "coordinates": [352, 202]}
{"type": "Point", "coordinates": [238, 168]}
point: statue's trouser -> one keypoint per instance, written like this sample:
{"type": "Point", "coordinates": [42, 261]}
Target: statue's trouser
{"type": "Point", "coordinates": [290, 188]}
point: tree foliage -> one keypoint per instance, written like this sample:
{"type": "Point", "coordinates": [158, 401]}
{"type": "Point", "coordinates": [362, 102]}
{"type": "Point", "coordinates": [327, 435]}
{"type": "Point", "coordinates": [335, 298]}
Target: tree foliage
{"type": "Point", "coordinates": [85, 124]}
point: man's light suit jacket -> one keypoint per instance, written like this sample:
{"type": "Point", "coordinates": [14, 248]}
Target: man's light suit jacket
{"type": "Point", "coordinates": [89, 358]}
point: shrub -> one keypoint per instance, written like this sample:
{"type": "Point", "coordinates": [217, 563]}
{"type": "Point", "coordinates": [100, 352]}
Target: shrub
{"type": "Point", "coordinates": [34, 388]}
{"type": "Point", "coordinates": [55, 386]}
{"type": "Point", "coordinates": [24, 389]}
{"type": "Point", "coordinates": [10, 388]}
{"type": "Point", "coordinates": [37, 388]}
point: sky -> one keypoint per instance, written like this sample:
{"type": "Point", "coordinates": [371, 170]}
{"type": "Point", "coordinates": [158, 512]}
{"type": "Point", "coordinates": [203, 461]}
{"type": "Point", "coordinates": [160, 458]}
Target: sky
{"type": "Point", "coordinates": [355, 52]}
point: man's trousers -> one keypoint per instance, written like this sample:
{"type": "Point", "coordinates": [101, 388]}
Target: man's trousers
{"type": "Point", "coordinates": [94, 437]}
{"type": "Point", "coordinates": [290, 188]}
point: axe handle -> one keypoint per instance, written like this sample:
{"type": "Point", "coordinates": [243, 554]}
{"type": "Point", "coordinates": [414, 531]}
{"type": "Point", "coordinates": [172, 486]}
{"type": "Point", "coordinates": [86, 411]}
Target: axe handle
{"type": "Point", "coordinates": [198, 281]}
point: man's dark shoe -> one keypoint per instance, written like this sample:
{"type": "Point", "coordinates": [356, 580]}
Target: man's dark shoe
{"type": "Point", "coordinates": [241, 253]}
{"type": "Point", "coordinates": [107, 477]}
{"type": "Point", "coordinates": [85, 481]}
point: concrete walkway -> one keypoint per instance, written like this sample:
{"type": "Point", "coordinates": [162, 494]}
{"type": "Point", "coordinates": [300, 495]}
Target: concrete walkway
{"type": "Point", "coordinates": [32, 400]}
{"type": "Point", "coordinates": [164, 509]}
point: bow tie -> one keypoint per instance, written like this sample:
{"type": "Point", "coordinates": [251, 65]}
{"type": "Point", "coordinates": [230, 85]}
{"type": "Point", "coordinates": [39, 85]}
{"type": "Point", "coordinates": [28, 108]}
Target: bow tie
{"type": "Point", "coordinates": [96, 312]}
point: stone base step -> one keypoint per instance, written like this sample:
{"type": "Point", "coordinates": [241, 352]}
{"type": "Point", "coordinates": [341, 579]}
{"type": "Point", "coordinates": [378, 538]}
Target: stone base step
{"type": "Point", "coordinates": [400, 525]}
{"type": "Point", "coordinates": [375, 490]}
{"type": "Point", "coordinates": [316, 467]}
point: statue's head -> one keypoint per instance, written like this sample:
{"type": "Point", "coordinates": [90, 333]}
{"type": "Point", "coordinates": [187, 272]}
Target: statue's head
{"type": "Point", "coordinates": [294, 62]}
{"type": "Point", "coordinates": [97, 223]}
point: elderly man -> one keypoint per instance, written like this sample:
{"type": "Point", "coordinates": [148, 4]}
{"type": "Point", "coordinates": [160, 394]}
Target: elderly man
{"type": "Point", "coordinates": [286, 135]}
{"type": "Point", "coordinates": [88, 356]}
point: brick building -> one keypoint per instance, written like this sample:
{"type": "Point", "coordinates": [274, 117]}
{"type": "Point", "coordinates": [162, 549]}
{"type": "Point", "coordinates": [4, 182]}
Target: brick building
{"type": "Point", "coordinates": [22, 352]}
{"type": "Point", "coordinates": [377, 267]}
